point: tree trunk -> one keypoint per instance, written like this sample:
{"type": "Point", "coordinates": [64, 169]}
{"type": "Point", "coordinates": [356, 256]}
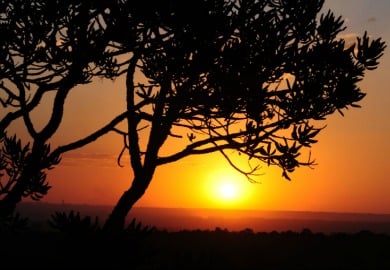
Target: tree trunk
{"type": "Point", "coordinates": [117, 218]}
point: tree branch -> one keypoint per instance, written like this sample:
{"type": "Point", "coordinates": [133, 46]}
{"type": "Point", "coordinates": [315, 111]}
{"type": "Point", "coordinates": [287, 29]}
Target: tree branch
{"type": "Point", "coordinates": [11, 116]}
{"type": "Point", "coordinates": [90, 138]}
{"type": "Point", "coordinates": [248, 174]}
{"type": "Point", "coordinates": [193, 149]}
{"type": "Point", "coordinates": [132, 118]}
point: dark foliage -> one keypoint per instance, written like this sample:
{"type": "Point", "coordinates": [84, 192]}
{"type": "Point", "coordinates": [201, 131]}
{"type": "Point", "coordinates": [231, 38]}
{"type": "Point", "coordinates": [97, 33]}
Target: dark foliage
{"type": "Point", "coordinates": [137, 229]}
{"type": "Point", "coordinates": [255, 81]}
{"type": "Point", "coordinates": [45, 46]}
{"type": "Point", "coordinates": [218, 249]}
{"type": "Point", "coordinates": [73, 223]}
{"type": "Point", "coordinates": [14, 161]}
{"type": "Point", "coordinates": [13, 224]}
{"type": "Point", "coordinates": [73, 241]}
{"type": "Point", "coordinates": [250, 80]}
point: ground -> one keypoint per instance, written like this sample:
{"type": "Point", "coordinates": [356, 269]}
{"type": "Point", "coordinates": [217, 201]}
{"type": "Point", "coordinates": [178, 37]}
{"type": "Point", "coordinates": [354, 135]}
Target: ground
{"type": "Point", "coordinates": [213, 249]}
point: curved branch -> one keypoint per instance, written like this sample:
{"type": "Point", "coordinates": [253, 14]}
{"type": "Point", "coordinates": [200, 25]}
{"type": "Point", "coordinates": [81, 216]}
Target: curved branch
{"type": "Point", "coordinates": [121, 153]}
{"type": "Point", "coordinates": [132, 118]}
{"type": "Point", "coordinates": [25, 112]}
{"type": "Point", "coordinates": [193, 149]}
{"type": "Point", "coordinates": [246, 174]}
{"type": "Point", "coordinates": [58, 111]}
{"type": "Point", "coordinates": [11, 95]}
{"type": "Point", "coordinates": [11, 116]}
{"type": "Point", "coordinates": [90, 138]}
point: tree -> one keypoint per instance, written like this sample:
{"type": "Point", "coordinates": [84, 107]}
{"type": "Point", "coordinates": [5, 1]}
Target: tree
{"type": "Point", "coordinates": [46, 47]}
{"type": "Point", "coordinates": [249, 76]}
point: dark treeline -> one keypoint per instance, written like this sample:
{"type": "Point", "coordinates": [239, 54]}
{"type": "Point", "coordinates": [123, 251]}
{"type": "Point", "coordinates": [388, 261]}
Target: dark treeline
{"type": "Point", "coordinates": [142, 247]}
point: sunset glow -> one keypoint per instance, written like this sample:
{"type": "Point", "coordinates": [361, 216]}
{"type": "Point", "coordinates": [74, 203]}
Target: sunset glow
{"type": "Point", "coordinates": [339, 182]}
{"type": "Point", "coordinates": [228, 191]}
{"type": "Point", "coordinates": [226, 134]}
{"type": "Point", "coordinates": [226, 188]}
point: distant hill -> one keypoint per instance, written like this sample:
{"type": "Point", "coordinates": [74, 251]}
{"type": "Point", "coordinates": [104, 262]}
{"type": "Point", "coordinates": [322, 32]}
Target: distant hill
{"type": "Point", "coordinates": [176, 219]}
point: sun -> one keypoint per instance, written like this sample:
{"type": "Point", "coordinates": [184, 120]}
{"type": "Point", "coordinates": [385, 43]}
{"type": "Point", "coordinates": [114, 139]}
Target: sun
{"type": "Point", "coordinates": [228, 191]}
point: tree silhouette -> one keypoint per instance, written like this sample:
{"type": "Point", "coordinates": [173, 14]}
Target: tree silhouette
{"type": "Point", "coordinates": [46, 47]}
{"type": "Point", "coordinates": [249, 76]}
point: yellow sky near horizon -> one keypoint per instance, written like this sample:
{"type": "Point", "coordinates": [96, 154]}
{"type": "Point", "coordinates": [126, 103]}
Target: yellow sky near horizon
{"type": "Point", "coordinates": [353, 168]}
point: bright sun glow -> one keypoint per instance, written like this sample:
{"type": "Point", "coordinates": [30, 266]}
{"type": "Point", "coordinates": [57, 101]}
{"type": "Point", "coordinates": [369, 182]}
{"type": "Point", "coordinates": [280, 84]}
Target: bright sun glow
{"type": "Point", "coordinates": [228, 191]}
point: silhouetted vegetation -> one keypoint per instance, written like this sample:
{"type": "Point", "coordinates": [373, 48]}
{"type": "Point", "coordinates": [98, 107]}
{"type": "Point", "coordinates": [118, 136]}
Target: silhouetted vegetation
{"type": "Point", "coordinates": [45, 47]}
{"type": "Point", "coordinates": [249, 76]}
{"type": "Point", "coordinates": [76, 241]}
{"type": "Point", "coordinates": [13, 223]}
{"type": "Point", "coordinates": [72, 223]}
{"type": "Point", "coordinates": [140, 247]}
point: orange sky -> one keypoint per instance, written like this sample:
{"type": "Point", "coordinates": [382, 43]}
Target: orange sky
{"type": "Point", "coordinates": [353, 168]}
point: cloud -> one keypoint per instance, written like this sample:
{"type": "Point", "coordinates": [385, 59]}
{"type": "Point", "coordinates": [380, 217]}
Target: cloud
{"type": "Point", "coordinates": [86, 159]}
{"type": "Point", "coordinates": [349, 38]}
{"type": "Point", "coordinates": [371, 19]}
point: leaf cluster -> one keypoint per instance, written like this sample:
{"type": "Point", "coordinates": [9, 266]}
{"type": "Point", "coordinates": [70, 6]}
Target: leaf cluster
{"type": "Point", "coordinates": [259, 71]}
{"type": "Point", "coordinates": [47, 46]}
{"type": "Point", "coordinates": [136, 227]}
{"type": "Point", "coordinates": [16, 160]}
{"type": "Point", "coordinates": [13, 224]}
{"type": "Point", "coordinates": [72, 223]}
{"type": "Point", "coordinates": [48, 42]}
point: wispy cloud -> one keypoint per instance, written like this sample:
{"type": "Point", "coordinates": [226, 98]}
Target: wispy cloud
{"type": "Point", "coordinates": [77, 159]}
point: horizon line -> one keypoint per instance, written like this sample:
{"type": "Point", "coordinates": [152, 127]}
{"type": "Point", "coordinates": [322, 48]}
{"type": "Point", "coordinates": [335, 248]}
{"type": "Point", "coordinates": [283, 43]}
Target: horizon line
{"type": "Point", "coordinates": [214, 209]}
